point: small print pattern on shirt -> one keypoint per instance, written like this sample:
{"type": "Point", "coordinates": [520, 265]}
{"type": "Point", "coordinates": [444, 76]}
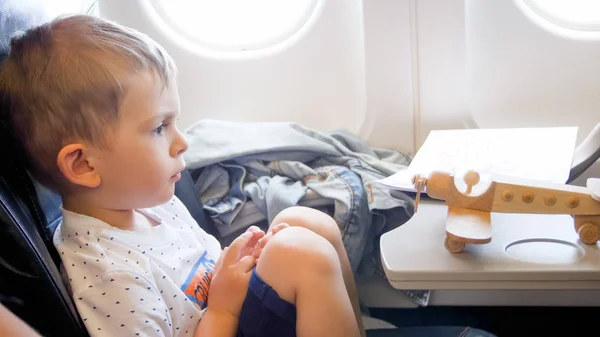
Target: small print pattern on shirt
{"type": "Point", "coordinates": [146, 283]}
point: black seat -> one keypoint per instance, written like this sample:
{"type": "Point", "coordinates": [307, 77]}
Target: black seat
{"type": "Point", "coordinates": [30, 283]}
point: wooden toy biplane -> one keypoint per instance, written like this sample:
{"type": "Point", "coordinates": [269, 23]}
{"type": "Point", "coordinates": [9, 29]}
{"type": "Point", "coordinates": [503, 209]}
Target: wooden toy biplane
{"type": "Point", "coordinates": [470, 202]}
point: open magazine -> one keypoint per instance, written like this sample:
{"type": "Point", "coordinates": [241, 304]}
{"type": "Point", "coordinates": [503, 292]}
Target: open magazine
{"type": "Point", "coordinates": [534, 153]}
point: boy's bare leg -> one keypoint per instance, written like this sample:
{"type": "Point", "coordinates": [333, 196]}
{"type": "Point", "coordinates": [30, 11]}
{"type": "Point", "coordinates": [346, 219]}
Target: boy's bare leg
{"type": "Point", "coordinates": [326, 227]}
{"type": "Point", "coordinates": [304, 269]}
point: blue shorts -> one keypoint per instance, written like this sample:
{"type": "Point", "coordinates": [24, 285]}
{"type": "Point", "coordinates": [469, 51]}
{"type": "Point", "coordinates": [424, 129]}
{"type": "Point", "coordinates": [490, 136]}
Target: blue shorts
{"type": "Point", "coordinates": [264, 313]}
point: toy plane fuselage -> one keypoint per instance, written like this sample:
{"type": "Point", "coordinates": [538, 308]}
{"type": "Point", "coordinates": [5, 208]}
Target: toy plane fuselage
{"type": "Point", "coordinates": [469, 219]}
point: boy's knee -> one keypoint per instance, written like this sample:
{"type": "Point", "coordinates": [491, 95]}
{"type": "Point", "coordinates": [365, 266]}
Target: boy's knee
{"type": "Point", "coordinates": [297, 259]}
{"type": "Point", "coordinates": [312, 219]}
{"type": "Point", "coordinates": [298, 251]}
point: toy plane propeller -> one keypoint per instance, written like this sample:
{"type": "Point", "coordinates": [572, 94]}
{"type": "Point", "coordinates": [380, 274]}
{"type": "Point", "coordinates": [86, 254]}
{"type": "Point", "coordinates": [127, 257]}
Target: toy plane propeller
{"type": "Point", "coordinates": [471, 201]}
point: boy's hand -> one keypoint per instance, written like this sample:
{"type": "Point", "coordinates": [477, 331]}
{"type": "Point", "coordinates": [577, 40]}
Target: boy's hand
{"type": "Point", "coordinates": [262, 242]}
{"type": "Point", "coordinates": [230, 280]}
{"type": "Point", "coordinates": [249, 248]}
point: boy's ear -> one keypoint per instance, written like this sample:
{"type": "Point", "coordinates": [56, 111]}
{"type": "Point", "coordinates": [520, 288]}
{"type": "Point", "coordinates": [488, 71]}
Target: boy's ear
{"type": "Point", "coordinates": [73, 162]}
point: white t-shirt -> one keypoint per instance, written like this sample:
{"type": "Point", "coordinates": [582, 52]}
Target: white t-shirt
{"type": "Point", "coordinates": [151, 282]}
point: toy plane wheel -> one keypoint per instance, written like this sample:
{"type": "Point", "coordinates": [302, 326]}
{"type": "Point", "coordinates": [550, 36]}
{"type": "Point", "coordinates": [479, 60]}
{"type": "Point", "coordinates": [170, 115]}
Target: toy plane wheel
{"type": "Point", "coordinates": [588, 233]}
{"type": "Point", "coordinates": [588, 228]}
{"type": "Point", "coordinates": [593, 185]}
{"type": "Point", "coordinates": [454, 246]}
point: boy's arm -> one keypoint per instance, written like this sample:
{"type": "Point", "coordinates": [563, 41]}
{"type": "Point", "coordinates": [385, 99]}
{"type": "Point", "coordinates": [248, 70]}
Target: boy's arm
{"type": "Point", "coordinates": [216, 324]}
{"type": "Point", "coordinates": [11, 325]}
{"type": "Point", "coordinates": [123, 303]}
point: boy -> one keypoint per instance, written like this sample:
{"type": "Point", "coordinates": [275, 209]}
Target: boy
{"type": "Point", "coordinates": [94, 106]}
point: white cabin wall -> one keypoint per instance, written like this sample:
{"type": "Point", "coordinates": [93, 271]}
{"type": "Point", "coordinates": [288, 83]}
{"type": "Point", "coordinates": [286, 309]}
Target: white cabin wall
{"type": "Point", "coordinates": [389, 74]}
{"type": "Point", "coordinates": [392, 70]}
{"type": "Point", "coordinates": [318, 80]}
{"type": "Point", "coordinates": [442, 66]}
{"type": "Point", "coordinates": [523, 75]}
{"type": "Point", "coordinates": [416, 71]}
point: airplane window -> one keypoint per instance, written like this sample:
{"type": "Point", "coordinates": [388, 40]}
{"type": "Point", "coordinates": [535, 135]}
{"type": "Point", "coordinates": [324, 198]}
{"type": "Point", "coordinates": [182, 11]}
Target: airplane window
{"type": "Point", "coordinates": [235, 25]}
{"type": "Point", "coordinates": [574, 14]}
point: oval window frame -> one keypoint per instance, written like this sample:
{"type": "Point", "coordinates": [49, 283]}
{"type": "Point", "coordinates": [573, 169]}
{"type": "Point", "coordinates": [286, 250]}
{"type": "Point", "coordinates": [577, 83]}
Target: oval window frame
{"type": "Point", "coordinates": [553, 25]}
{"type": "Point", "coordinates": [304, 21]}
{"type": "Point", "coordinates": [542, 8]}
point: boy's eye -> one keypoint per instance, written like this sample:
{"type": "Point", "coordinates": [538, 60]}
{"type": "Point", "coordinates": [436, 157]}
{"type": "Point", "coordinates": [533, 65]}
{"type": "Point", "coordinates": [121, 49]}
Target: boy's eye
{"type": "Point", "coordinates": [160, 129]}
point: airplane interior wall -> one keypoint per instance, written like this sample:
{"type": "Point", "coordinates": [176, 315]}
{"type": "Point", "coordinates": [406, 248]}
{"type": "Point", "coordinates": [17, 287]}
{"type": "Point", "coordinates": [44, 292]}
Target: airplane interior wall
{"type": "Point", "coordinates": [316, 79]}
{"type": "Point", "coordinates": [391, 71]}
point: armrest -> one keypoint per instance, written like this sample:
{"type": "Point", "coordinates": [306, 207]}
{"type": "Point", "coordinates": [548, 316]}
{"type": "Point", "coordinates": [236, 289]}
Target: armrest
{"type": "Point", "coordinates": [585, 154]}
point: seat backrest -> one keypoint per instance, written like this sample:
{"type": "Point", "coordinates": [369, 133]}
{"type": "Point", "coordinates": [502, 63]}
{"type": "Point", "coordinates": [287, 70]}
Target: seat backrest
{"type": "Point", "coordinates": [30, 282]}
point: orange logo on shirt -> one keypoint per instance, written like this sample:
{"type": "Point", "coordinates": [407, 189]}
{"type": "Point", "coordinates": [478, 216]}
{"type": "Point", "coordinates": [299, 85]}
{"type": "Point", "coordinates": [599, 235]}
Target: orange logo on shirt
{"type": "Point", "coordinates": [198, 281]}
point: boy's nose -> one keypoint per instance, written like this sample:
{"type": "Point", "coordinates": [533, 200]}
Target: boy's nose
{"type": "Point", "coordinates": [179, 146]}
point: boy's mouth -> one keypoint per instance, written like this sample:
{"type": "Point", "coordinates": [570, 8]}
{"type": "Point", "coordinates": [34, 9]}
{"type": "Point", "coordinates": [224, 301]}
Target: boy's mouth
{"type": "Point", "coordinates": [176, 177]}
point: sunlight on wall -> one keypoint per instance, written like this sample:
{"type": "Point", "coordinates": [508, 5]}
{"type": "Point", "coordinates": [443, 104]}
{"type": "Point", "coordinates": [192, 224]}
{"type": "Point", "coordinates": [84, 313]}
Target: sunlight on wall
{"type": "Point", "coordinates": [573, 19]}
{"type": "Point", "coordinates": [574, 14]}
{"type": "Point", "coordinates": [236, 24]}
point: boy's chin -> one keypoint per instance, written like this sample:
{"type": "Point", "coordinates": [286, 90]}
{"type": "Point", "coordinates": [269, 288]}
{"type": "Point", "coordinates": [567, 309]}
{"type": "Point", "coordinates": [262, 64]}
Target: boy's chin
{"type": "Point", "coordinates": [149, 201]}
{"type": "Point", "coordinates": [164, 199]}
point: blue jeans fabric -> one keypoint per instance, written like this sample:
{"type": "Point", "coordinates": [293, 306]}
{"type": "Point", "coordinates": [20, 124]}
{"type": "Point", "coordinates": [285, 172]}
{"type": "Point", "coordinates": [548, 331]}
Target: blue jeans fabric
{"type": "Point", "coordinates": [264, 313]}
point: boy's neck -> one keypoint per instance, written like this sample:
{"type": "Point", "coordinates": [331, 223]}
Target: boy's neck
{"type": "Point", "coordinates": [122, 219]}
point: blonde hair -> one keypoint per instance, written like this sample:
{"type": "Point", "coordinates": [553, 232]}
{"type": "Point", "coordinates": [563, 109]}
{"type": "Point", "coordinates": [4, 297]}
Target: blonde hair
{"type": "Point", "coordinates": [64, 80]}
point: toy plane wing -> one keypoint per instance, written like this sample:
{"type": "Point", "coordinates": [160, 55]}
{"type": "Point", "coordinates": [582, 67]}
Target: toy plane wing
{"type": "Point", "coordinates": [468, 225]}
